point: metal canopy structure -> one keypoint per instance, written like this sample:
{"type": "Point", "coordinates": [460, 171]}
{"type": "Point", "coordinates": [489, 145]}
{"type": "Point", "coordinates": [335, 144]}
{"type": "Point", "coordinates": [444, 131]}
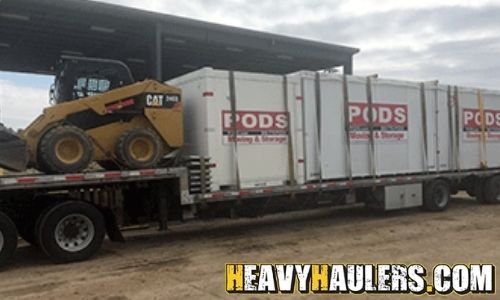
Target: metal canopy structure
{"type": "Point", "coordinates": [35, 33]}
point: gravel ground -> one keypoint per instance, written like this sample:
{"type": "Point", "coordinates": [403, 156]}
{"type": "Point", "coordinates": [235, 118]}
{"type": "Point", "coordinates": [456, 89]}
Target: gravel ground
{"type": "Point", "coordinates": [188, 261]}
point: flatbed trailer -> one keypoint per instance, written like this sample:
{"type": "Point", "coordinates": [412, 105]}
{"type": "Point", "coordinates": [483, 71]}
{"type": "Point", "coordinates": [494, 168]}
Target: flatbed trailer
{"type": "Point", "coordinates": [68, 215]}
{"type": "Point", "coordinates": [257, 143]}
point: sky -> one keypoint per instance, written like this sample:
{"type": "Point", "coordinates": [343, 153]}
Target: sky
{"type": "Point", "coordinates": [456, 42]}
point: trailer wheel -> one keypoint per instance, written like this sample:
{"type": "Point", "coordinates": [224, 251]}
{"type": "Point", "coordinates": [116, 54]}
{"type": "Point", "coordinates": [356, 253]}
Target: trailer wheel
{"type": "Point", "coordinates": [71, 231]}
{"type": "Point", "coordinates": [436, 195]}
{"type": "Point", "coordinates": [491, 191]}
{"type": "Point", "coordinates": [139, 148]}
{"type": "Point", "coordinates": [64, 149]}
{"type": "Point", "coordinates": [8, 239]}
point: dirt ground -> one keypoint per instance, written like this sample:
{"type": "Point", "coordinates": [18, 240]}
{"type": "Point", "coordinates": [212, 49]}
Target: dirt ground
{"type": "Point", "coordinates": [188, 261]}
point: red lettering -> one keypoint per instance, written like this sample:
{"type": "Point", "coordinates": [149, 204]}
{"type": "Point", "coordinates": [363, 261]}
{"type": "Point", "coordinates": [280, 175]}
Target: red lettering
{"type": "Point", "coordinates": [256, 120]}
{"type": "Point", "coordinates": [383, 114]}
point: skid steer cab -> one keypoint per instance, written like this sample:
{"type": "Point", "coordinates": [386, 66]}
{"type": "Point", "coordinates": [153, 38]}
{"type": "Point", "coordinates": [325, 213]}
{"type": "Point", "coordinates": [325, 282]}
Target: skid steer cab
{"type": "Point", "coordinates": [100, 115]}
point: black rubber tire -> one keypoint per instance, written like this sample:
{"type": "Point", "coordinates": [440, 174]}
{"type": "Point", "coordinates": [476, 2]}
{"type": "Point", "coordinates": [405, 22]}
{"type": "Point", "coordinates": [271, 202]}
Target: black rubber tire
{"type": "Point", "coordinates": [46, 234]}
{"type": "Point", "coordinates": [479, 186]}
{"type": "Point", "coordinates": [27, 230]}
{"type": "Point", "coordinates": [47, 158]}
{"type": "Point", "coordinates": [471, 189]}
{"type": "Point", "coordinates": [27, 226]}
{"type": "Point", "coordinates": [126, 158]}
{"type": "Point", "coordinates": [9, 244]}
{"type": "Point", "coordinates": [108, 165]}
{"type": "Point", "coordinates": [436, 195]}
{"type": "Point", "coordinates": [491, 191]}
{"type": "Point", "coordinates": [469, 185]}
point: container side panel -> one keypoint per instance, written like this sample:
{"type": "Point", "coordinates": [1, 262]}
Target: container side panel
{"type": "Point", "coordinates": [263, 159]}
{"type": "Point", "coordinates": [193, 86]}
{"type": "Point", "coordinates": [470, 130]}
{"type": "Point", "coordinates": [492, 119]}
{"type": "Point", "coordinates": [295, 105]}
{"type": "Point", "coordinates": [220, 147]}
{"type": "Point", "coordinates": [359, 131]}
{"type": "Point", "coordinates": [431, 116]}
{"type": "Point", "coordinates": [398, 146]}
{"type": "Point", "coordinates": [443, 133]}
{"type": "Point", "coordinates": [475, 150]}
{"type": "Point", "coordinates": [333, 132]}
{"type": "Point", "coordinates": [311, 128]}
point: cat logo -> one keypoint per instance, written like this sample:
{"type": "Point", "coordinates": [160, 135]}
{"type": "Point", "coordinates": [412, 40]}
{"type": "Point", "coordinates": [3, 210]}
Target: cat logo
{"type": "Point", "coordinates": [161, 100]}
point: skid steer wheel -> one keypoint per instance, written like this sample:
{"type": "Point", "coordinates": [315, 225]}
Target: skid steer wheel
{"type": "Point", "coordinates": [64, 149]}
{"type": "Point", "coordinates": [491, 191]}
{"type": "Point", "coordinates": [139, 148]}
{"type": "Point", "coordinates": [71, 231]}
{"type": "Point", "coordinates": [8, 239]}
{"type": "Point", "coordinates": [436, 195]}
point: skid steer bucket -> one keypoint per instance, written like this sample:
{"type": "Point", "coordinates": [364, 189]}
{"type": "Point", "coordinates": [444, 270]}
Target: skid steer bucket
{"type": "Point", "coordinates": [13, 152]}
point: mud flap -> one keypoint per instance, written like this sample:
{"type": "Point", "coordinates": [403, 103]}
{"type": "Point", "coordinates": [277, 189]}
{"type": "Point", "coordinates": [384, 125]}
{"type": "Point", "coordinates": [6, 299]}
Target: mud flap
{"type": "Point", "coordinates": [13, 151]}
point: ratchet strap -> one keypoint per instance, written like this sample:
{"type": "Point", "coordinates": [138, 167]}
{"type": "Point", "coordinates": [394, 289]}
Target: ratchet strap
{"type": "Point", "coordinates": [234, 132]}
{"type": "Point", "coordinates": [454, 126]}
{"type": "Point", "coordinates": [369, 97]}
{"type": "Point", "coordinates": [423, 102]}
{"type": "Point", "coordinates": [451, 127]}
{"type": "Point", "coordinates": [347, 127]}
{"type": "Point", "coordinates": [456, 101]}
{"type": "Point", "coordinates": [483, 158]}
{"type": "Point", "coordinates": [304, 132]}
{"type": "Point", "coordinates": [318, 123]}
{"type": "Point", "coordinates": [291, 164]}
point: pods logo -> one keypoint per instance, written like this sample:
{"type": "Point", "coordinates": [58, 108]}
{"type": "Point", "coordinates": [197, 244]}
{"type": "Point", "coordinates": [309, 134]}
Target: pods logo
{"type": "Point", "coordinates": [473, 122]}
{"type": "Point", "coordinates": [255, 127]}
{"type": "Point", "coordinates": [390, 121]}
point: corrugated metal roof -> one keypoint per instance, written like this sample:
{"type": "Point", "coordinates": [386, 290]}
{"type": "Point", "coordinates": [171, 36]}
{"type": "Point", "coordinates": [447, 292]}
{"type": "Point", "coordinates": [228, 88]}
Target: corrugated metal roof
{"type": "Point", "coordinates": [34, 33]}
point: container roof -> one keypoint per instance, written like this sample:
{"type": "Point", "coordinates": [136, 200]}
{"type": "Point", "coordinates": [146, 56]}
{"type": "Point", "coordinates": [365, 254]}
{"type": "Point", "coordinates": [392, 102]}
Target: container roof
{"type": "Point", "coordinates": [35, 33]}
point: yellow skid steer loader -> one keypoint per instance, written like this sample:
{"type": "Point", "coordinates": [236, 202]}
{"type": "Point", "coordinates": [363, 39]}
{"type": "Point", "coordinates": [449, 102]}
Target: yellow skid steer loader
{"type": "Point", "coordinates": [99, 114]}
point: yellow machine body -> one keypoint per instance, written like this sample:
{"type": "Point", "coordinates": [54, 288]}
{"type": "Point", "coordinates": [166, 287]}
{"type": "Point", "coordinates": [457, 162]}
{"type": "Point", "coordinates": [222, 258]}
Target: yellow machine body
{"type": "Point", "coordinates": [105, 117]}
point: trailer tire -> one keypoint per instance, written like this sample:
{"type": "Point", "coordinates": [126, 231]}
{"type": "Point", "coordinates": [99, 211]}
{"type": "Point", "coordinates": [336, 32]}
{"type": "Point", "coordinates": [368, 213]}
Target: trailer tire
{"type": "Point", "coordinates": [8, 239]}
{"type": "Point", "coordinates": [64, 149]}
{"type": "Point", "coordinates": [27, 231]}
{"type": "Point", "coordinates": [491, 191]}
{"type": "Point", "coordinates": [479, 186]}
{"type": "Point", "coordinates": [139, 148]}
{"type": "Point", "coordinates": [436, 195]}
{"type": "Point", "coordinates": [28, 227]}
{"type": "Point", "coordinates": [469, 185]}
{"type": "Point", "coordinates": [471, 190]}
{"type": "Point", "coordinates": [71, 231]}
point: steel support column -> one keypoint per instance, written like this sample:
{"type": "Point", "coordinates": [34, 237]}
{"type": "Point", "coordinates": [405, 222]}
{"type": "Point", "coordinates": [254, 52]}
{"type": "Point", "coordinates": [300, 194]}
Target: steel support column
{"type": "Point", "coordinates": [348, 67]}
{"type": "Point", "coordinates": [158, 57]}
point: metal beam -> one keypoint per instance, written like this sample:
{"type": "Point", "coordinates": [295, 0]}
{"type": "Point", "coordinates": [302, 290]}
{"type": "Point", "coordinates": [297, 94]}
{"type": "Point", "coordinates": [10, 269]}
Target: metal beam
{"type": "Point", "coordinates": [56, 25]}
{"type": "Point", "coordinates": [348, 67]}
{"type": "Point", "coordinates": [158, 62]}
